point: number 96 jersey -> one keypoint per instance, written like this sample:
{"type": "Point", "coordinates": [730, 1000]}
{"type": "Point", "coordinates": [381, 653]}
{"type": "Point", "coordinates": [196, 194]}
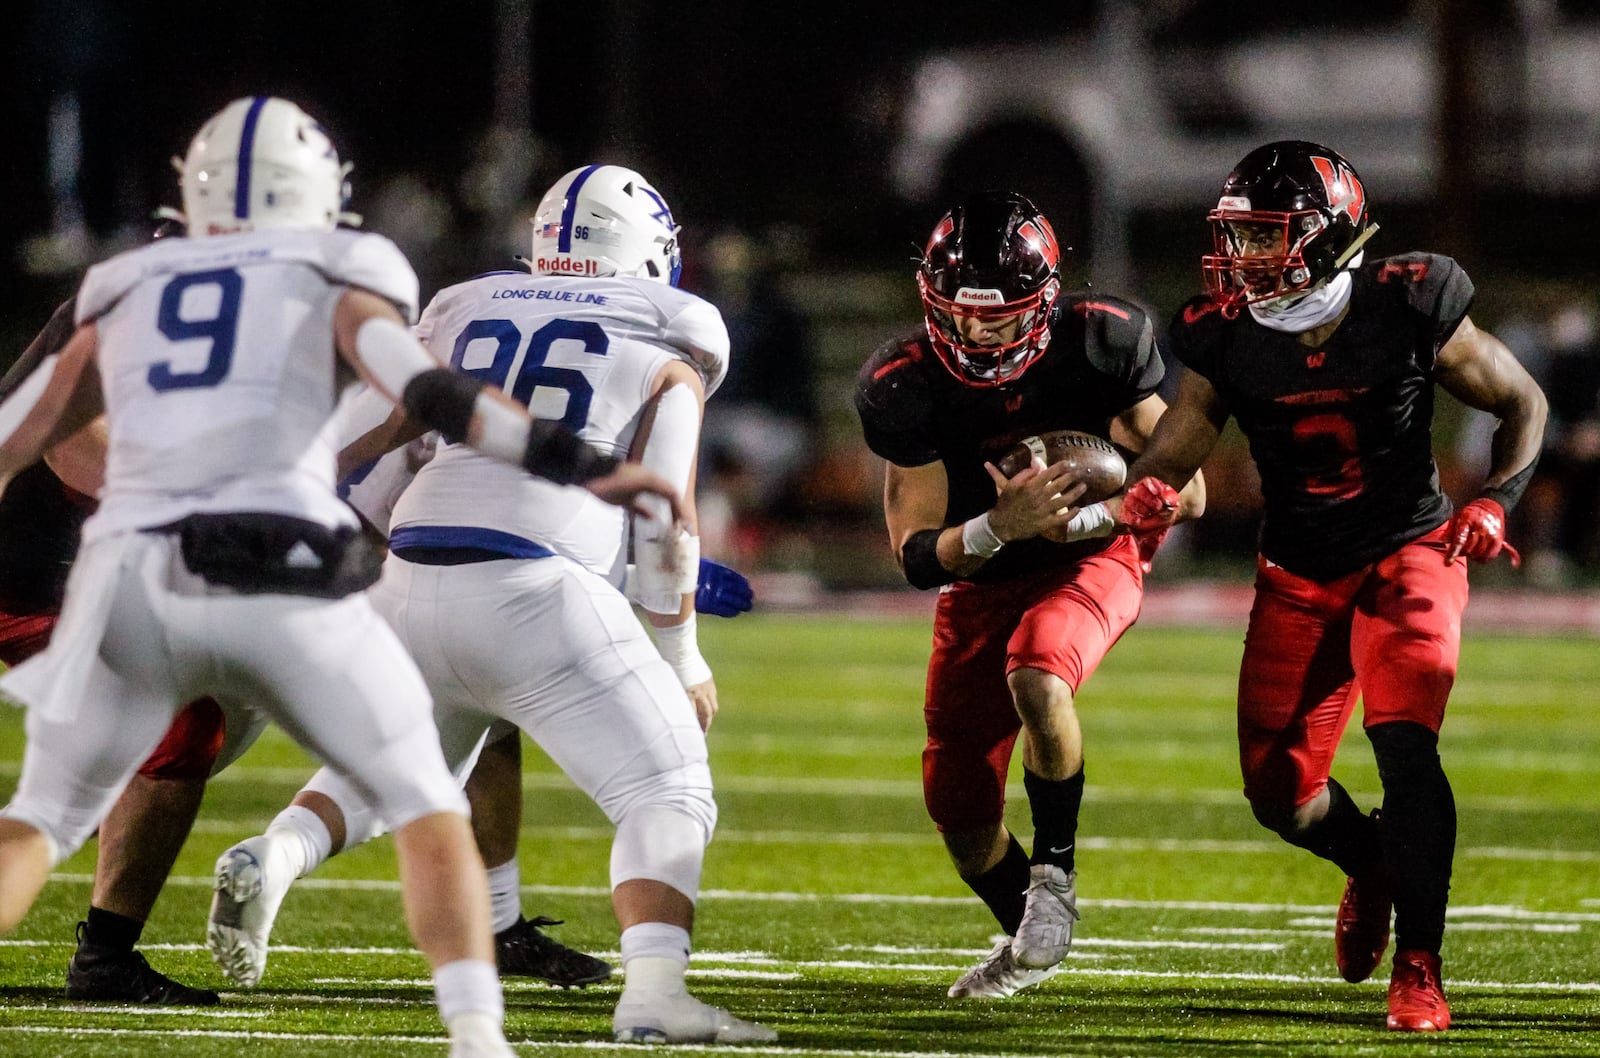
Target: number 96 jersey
{"type": "Point", "coordinates": [578, 350]}
{"type": "Point", "coordinates": [217, 362]}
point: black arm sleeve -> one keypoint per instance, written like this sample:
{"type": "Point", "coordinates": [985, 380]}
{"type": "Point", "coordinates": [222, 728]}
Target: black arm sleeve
{"type": "Point", "coordinates": [556, 453]}
{"type": "Point", "coordinates": [920, 559]}
{"type": "Point", "coordinates": [1508, 492]}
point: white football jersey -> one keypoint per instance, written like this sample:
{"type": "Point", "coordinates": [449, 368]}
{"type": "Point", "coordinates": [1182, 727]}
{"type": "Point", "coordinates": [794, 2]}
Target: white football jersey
{"type": "Point", "coordinates": [584, 351]}
{"type": "Point", "coordinates": [217, 361]}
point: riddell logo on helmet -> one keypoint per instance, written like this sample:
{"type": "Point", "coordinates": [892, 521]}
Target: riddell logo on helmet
{"type": "Point", "coordinates": [567, 266]}
{"type": "Point", "coordinates": [978, 296]}
{"type": "Point", "coordinates": [1234, 202]}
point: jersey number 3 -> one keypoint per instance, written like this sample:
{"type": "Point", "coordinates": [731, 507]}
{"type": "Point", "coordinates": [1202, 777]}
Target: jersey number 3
{"type": "Point", "coordinates": [220, 328]}
{"type": "Point", "coordinates": [534, 373]}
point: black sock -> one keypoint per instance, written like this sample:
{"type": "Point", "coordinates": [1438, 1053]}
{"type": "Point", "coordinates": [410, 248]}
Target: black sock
{"type": "Point", "coordinates": [1345, 835]}
{"type": "Point", "coordinates": [1004, 887]}
{"type": "Point", "coordinates": [110, 931]}
{"type": "Point", "coordinates": [1418, 830]}
{"type": "Point", "coordinates": [1055, 804]}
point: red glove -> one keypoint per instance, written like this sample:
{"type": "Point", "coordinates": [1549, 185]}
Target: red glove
{"type": "Point", "coordinates": [1149, 506]}
{"type": "Point", "coordinates": [1478, 531]}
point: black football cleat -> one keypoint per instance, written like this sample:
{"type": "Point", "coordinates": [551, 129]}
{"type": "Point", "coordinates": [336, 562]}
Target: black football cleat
{"type": "Point", "coordinates": [522, 951]}
{"type": "Point", "coordinates": [98, 975]}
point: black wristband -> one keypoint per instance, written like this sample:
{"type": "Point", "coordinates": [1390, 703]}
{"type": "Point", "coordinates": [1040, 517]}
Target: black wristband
{"type": "Point", "coordinates": [556, 453]}
{"type": "Point", "coordinates": [1508, 492]}
{"type": "Point", "coordinates": [920, 560]}
{"type": "Point", "coordinates": [442, 400]}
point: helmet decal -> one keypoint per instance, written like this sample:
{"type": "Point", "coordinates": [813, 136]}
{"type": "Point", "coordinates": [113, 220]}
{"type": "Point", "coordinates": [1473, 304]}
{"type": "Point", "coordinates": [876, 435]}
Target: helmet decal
{"type": "Point", "coordinates": [247, 144]}
{"type": "Point", "coordinates": [564, 233]}
{"type": "Point", "coordinates": [1343, 185]}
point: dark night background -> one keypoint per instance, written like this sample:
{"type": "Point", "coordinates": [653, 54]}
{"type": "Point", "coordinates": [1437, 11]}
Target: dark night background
{"type": "Point", "coordinates": [776, 120]}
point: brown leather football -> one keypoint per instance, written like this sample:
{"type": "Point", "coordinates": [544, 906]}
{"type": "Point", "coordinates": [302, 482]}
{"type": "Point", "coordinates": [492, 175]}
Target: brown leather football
{"type": "Point", "coordinates": [1089, 458]}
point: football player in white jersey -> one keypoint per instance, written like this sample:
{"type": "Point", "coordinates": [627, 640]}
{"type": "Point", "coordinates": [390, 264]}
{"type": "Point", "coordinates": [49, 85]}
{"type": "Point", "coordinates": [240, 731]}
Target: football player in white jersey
{"type": "Point", "coordinates": [220, 559]}
{"type": "Point", "coordinates": [507, 590]}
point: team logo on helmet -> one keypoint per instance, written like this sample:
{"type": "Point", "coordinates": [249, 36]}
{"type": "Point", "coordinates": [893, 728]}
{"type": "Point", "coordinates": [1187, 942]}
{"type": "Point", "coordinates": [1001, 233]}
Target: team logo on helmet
{"type": "Point", "coordinates": [1343, 186]}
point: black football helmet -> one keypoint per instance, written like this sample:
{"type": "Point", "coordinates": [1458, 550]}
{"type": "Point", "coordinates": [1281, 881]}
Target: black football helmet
{"type": "Point", "coordinates": [1292, 214]}
{"type": "Point", "coordinates": [992, 258]}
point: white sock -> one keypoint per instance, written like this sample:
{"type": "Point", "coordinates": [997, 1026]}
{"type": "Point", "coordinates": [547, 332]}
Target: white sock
{"type": "Point", "coordinates": [301, 837]}
{"type": "Point", "coordinates": [467, 987]}
{"type": "Point", "coordinates": [505, 895]}
{"type": "Point", "coordinates": [654, 957]}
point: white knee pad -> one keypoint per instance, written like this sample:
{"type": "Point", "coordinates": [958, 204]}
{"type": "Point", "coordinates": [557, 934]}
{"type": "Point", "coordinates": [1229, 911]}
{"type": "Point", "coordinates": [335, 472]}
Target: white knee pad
{"type": "Point", "coordinates": [663, 843]}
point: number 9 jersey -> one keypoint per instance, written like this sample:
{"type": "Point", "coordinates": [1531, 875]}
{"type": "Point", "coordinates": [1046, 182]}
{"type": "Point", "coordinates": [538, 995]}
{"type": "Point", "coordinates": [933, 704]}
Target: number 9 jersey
{"type": "Point", "coordinates": [217, 362]}
{"type": "Point", "coordinates": [584, 351]}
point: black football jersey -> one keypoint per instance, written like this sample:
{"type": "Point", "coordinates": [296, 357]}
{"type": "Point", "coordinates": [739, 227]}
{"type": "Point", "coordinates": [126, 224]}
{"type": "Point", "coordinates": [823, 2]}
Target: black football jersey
{"type": "Point", "coordinates": [40, 517]}
{"type": "Point", "coordinates": [1100, 362]}
{"type": "Point", "coordinates": [1342, 433]}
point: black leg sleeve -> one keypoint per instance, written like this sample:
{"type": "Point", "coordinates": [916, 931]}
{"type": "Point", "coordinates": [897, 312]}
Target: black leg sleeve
{"type": "Point", "coordinates": [1004, 887]}
{"type": "Point", "coordinates": [1418, 830]}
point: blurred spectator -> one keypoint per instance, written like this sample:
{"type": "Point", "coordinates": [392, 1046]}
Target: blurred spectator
{"type": "Point", "coordinates": [1572, 449]}
{"type": "Point", "coordinates": [75, 71]}
{"type": "Point", "coordinates": [763, 425]}
{"type": "Point", "coordinates": [1555, 525]}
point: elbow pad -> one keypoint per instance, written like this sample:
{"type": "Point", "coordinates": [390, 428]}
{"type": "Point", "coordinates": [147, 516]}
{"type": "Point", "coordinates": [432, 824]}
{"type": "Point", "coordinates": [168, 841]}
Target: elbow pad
{"type": "Point", "coordinates": [556, 453]}
{"type": "Point", "coordinates": [919, 558]}
{"type": "Point", "coordinates": [442, 400]}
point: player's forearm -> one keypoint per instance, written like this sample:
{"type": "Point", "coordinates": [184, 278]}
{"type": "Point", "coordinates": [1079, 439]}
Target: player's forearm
{"type": "Point", "coordinates": [1514, 450]}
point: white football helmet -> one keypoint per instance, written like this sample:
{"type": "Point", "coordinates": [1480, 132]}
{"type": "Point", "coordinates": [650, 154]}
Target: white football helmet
{"type": "Point", "coordinates": [604, 220]}
{"type": "Point", "coordinates": [259, 163]}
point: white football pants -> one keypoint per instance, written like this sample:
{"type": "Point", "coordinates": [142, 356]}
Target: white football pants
{"type": "Point", "coordinates": [556, 650]}
{"type": "Point", "coordinates": [329, 672]}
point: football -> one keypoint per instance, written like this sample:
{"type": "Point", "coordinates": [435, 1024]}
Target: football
{"type": "Point", "coordinates": [1090, 458]}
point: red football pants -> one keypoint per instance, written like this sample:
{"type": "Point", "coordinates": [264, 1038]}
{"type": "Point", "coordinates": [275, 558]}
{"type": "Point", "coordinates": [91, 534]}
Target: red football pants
{"type": "Point", "coordinates": [1389, 634]}
{"type": "Point", "coordinates": [1061, 622]}
{"type": "Point", "coordinates": [191, 744]}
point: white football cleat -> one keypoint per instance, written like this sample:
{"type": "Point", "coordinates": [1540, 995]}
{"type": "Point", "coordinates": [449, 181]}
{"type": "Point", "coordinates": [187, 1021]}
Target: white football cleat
{"type": "Point", "coordinates": [246, 902]}
{"type": "Point", "coordinates": [679, 1017]}
{"type": "Point", "coordinates": [1045, 934]}
{"type": "Point", "coordinates": [997, 976]}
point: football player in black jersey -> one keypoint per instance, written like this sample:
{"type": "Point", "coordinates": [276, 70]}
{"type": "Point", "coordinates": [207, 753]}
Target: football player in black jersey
{"type": "Point", "coordinates": [1034, 589]}
{"type": "Point", "coordinates": [1329, 364]}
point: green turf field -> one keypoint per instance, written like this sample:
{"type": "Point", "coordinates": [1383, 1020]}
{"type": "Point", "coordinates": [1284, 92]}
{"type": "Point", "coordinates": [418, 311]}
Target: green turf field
{"type": "Point", "coordinates": [831, 913]}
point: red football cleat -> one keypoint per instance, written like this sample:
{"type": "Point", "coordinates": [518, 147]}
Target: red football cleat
{"type": "Point", "coordinates": [1416, 994]}
{"type": "Point", "coordinates": [1361, 931]}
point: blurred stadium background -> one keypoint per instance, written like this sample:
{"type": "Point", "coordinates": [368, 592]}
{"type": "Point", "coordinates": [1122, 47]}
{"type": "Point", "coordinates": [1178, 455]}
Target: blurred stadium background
{"type": "Point", "coordinates": [808, 150]}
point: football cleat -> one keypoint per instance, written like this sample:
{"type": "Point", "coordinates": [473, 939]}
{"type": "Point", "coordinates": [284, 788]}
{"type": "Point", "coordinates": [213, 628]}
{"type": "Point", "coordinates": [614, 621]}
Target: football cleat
{"type": "Point", "coordinates": [1045, 934]}
{"type": "Point", "coordinates": [1361, 929]}
{"type": "Point", "coordinates": [478, 1035]}
{"type": "Point", "coordinates": [521, 950]}
{"type": "Point", "coordinates": [243, 908]}
{"type": "Point", "coordinates": [98, 975]}
{"type": "Point", "coordinates": [997, 976]}
{"type": "Point", "coordinates": [678, 1017]}
{"type": "Point", "coordinates": [1416, 994]}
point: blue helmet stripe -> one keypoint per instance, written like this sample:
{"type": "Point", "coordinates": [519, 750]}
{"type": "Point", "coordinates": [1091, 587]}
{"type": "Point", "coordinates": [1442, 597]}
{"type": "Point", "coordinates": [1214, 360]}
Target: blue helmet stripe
{"type": "Point", "coordinates": [247, 144]}
{"type": "Point", "coordinates": [564, 240]}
